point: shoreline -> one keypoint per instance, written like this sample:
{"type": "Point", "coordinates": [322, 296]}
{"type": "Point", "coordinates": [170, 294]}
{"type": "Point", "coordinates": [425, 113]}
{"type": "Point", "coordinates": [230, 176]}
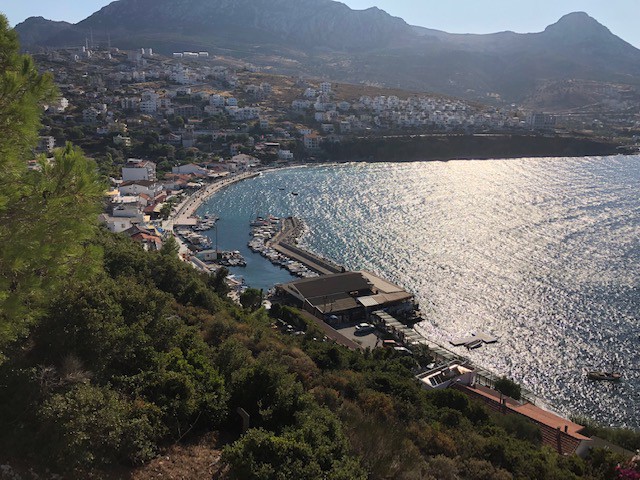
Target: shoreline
{"type": "Point", "coordinates": [540, 401]}
{"type": "Point", "coordinates": [185, 211]}
{"type": "Point", "coordinates": [187, 208]}
{"type": "Point", "coordinates": [451, 147]}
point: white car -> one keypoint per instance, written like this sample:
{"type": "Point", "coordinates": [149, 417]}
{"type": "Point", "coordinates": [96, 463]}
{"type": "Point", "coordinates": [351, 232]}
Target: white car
{"type": "Point", "coordinates": [363, 328]}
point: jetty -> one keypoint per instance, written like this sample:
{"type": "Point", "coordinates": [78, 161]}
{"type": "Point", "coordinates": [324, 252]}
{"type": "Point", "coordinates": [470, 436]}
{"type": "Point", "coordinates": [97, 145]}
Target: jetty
{"type": "Point", "coordinates": [284, 243]}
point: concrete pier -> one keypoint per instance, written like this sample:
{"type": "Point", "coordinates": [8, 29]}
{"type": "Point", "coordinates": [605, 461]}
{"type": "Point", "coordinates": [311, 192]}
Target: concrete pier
{"type": "Point", "coordinates": [284, 241]}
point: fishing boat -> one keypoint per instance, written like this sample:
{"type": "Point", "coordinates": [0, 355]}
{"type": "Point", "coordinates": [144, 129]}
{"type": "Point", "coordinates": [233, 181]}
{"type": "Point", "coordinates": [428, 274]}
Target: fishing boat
{"type": "Point", "coordinates": [602, 375]}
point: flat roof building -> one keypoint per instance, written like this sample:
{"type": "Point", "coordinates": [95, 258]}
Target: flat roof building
{"type": "Point", "coordinates": [346, 296]}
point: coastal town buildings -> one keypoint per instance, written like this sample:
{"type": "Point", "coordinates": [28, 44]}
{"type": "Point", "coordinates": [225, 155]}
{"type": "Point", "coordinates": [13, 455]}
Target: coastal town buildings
{"type": "Point", "coordinates": [136, 169]}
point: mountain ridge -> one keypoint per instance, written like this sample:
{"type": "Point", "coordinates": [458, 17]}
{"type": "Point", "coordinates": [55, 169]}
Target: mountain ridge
{"type": "Point", "coordinates": [329, 39]}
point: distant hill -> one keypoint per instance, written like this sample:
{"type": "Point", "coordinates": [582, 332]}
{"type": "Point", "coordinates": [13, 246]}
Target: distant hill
{"type": "Point", "coordinates": [328, 39]}
{"type": "Point", "coordinates": [37, 30]}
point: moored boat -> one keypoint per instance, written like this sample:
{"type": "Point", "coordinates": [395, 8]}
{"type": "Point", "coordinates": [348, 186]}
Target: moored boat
{"type": "Point", "coordinates": [602, 375]}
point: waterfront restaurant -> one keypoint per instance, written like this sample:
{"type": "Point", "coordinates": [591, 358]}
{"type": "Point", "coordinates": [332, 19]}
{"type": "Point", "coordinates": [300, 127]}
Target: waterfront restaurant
{"type": "Point", "coordinates": [345, 297]}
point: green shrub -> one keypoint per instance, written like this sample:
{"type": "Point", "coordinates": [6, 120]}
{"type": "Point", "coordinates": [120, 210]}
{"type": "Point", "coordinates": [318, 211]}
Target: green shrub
{"type": "Point", "coordinates": [508, 388]}
{"type": "Point", "coordinates": [93, 426]}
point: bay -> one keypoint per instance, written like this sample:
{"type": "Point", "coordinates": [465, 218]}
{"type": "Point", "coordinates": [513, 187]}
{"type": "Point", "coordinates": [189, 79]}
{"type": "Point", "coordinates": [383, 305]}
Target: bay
{"type": "Point", "coordinates": [544, 253]}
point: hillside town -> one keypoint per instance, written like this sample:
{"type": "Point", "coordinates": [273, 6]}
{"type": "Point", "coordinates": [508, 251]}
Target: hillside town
{"type": "Point", "coordinates": [164, 127]}
{"type": "Point", "coordinates": [225, 115]}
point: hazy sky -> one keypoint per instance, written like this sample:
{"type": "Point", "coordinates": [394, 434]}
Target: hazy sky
{"type": "Point", "coordinates": [462, 16]}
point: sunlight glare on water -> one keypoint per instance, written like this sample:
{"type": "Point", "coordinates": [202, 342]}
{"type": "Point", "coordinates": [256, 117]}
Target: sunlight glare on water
{"type": "Point", "coordinates": [543, 253]}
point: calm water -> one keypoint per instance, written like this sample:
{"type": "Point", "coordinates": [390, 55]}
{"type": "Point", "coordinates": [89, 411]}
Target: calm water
{"type": "Point", "coordinates": [543, 253]}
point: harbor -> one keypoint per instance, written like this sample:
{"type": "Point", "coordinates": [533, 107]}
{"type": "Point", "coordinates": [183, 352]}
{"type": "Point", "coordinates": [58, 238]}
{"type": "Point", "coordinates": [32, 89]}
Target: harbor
{"type": "Point", "coordinates": [276, 239]}
{"type": "Point", "coordinates": [463, 285]}
{"type": "Point", "coordinates": [185, 225]}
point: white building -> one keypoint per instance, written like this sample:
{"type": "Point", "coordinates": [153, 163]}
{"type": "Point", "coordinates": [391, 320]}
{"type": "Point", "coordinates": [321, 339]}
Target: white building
{"type": "Point", "coordinates": [46, 144]}
{"type": "Point", "coordinates": [60, 106]}
{"type": "Point", "coordinates": [300, 104]}
{"type": "Point", "coordinates": [311, 141]}
{"type": "Point", "coordinates": [115, 224]}
{"type": "Point", "coordinates": [128, 207]}
{"type": "Point", "coordinates": [122, 140]}
{"type": "Point", "coordinates": [443, 376]}
{"type": "Point", "coordinates": [90, 115]}
{"type": "Point", "coordinates": [149, 103]}
{"type": "Point", "coordinates": [243, 161]}
{"type": "Point", "coordinates": [541, 121]}
{"type": "Point", "coordinates": [138, 187]}
{"type": "Point", "coordinates": [285, 155]}
{"type": "Point", "coordinates": [130, 103]}
{"type": "Point", "coordinates": [325, 87]}
{"type": "Point", "coordinates": [136, 169]}
{"type": "Point", "coordinates": [217, 100]}
{"type": "Point", "coordinates": [266, 88]}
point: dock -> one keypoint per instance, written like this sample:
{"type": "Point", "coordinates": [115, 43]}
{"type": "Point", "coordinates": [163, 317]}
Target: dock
{"type": "Point", "coordinates": [284, 243]}
{"type": "Point", "coordinates": [458, 342]}
{"type": "Point", "coordinates": [474, 340]}
{"type": "Point", "coordinates": [486, 338]}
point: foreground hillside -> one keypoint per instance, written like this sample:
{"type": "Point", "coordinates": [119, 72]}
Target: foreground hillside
{"type": "Point", "coordinates": [148, 355]}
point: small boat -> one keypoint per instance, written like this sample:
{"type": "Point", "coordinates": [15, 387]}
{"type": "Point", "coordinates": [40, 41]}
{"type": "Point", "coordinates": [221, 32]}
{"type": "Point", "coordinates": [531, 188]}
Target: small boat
{"type": "Point", "coordinates": [602, 375]}
{"type": "Point", "coordinates": [281, 188]}
{"type": "Point", "coordinates": [473, 344]}
{"type": "Point", "coordinates": [294, 193]}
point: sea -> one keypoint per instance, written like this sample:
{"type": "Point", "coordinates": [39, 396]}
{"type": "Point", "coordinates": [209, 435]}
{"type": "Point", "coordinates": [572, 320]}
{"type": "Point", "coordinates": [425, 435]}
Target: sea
{"type": "Point", "coordinates": [543, 253]}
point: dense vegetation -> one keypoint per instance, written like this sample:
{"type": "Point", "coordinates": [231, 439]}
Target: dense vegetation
{"type": "Point", "coordinates": [447, 147]}
{"type": "Point", "coordinates": [41, 241]}
{"type": "Point", "coordinates": [125, 352]}
{"type": "Point", "coordinates": [147, 353]}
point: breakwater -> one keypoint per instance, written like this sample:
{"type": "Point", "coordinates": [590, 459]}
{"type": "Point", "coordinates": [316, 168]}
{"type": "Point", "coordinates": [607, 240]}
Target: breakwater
{"type": "Point", "coordinates": [285, 243]}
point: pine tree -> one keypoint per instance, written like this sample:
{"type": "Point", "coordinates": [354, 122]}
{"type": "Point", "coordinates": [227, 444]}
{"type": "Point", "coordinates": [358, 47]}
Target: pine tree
{"type": "Point", "coordinates": [47, 214]}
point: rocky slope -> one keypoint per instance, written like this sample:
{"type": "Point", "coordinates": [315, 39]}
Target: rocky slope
{"type": "Point", "coordinates": [37, 30]}
{"type": "Point", "coordinates": [327, 38]}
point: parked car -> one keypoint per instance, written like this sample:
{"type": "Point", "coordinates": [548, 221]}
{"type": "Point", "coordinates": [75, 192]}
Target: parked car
{"type": "Point", "coordinates": [364, 328]}
{"type": "Point", "coordinates": [403, 351]}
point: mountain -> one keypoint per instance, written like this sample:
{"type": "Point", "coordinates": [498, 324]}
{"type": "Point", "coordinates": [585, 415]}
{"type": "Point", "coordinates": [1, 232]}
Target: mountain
{"type": "Point", "coordinates": [36, 30]}
{"type": "Point", "coordinates": [301, 23]}
{"type": "Point", "coordinates": [328, 39]}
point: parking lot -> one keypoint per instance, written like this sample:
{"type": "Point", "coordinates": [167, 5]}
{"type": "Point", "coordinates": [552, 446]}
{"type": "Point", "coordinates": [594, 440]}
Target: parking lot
{"type": "Point", "coordinates": [371, 340]}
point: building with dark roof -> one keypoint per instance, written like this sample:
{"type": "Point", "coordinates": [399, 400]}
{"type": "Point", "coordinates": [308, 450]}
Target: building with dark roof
{"type": "Point", "coordinates": [346, 296]}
